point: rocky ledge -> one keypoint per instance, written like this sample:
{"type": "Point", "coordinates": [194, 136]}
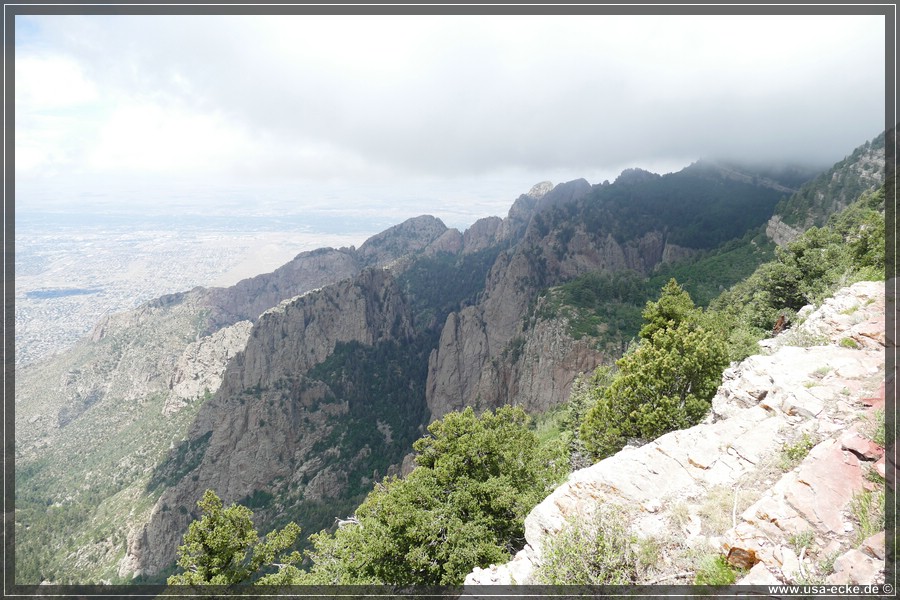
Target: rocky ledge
{"type": "Point", "coordinates": [741, 484]}
{"type": "Point", "coordinates": [780, 232]}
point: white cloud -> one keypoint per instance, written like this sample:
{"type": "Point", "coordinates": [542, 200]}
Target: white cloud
{"type": "Point", "coordinates": [51, 82]}
{"type": "Point", "coordinates": [150, 137]}
{"type": "Point", "coordinates": [440, 96]}
{"type": "Point", "coordinates": [50, 90]}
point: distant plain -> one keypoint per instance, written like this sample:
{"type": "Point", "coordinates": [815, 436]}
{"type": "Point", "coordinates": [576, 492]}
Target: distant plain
{"type": "Point", "coordinates": [71, 268]}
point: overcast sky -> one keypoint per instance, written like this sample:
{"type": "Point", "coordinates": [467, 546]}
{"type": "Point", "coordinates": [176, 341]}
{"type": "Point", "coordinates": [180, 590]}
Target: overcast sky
{"type": "Point", "coordinates": [452, 113]}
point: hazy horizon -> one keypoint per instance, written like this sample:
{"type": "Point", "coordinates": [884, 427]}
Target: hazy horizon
{"type": "Point", "coordinates": [363, 208]}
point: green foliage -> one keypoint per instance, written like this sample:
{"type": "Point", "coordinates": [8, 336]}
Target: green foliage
{"type": "Point", "coordinates": [867, 508]}
{"type": "Point", "coordinates": [607, 306]}
{"type": "Point", "coordinates": [599, 305]}
{"type": "Point", "coordinates": [673, 307]}
{"type": "Point", "coordinates": [437, 285]}
{"type": "Point", "coordinates": [596, 552]}
{"type": "Point", "coordinates": [705, 276]}
{"type": "Point", "coordinates": [223, 548]}
{"type": "Point", "coordinates": [824, 195]}
{"type": "Point", "coordinates": [383, 386]}
{"type": "Point", "coordinates": [808, 267]}
{"type": "Point", "coordinates": [849, 343]}
{"type": "Point", "coordinates": [822, 371]}
{"type": "Point", "coordinates": [848, 248]}
{"type": "Point", "coordinates": [878, 430]}
{"type": "Point", "coordinates": [799, 541]}
{"type": "Point", "coordinates": [69, 501]}
{"type": "Point", "coordinates": [803, 339]}
{"type": "Point", "coordinates": [793, 454]}
{"type": "Point", "coordinates": [699, 206]}
{"type": "Point", "coordinates": [550, 426]}
{"type": "Point", "coordinates": [380, 383]}
{"type": "Point", "coordinates": [586, 391]}
{"type": "Point", "coordinates": [463, 506]}
{"type": "Point", "coordinates": [714, 570]}
{"type": "Point", "coordinates": [665, 383]}
{"type": "Point", "coordinates": [258, 499]}
{"type": "Point", "coordinates": [826, 565]}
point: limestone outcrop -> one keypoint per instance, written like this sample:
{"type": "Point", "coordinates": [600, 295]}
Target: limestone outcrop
{"type": "Point", "coordinates": [727, 486]}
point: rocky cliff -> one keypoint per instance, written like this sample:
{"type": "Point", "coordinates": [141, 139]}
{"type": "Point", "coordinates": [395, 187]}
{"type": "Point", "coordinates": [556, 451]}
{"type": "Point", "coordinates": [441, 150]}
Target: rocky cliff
{"type": "Point", "coordinates": [478, 361]}
{"type": "Point", "coordinates": [249, 298]}
{"type": "Point", "coordinates": [94, 423]}
{"type": "Point", "coordinates": [780, 232]}
{"type": "Point", "coordinates": [264, 428]}
{"type": "Point", "coordinates": [157, 348]}
{"type": "Point", "coordinates": [727, 486]}
{"type": "Point", "coordinates": [199, 371]}
{"type": "Point", "coordinates": [487, 353]}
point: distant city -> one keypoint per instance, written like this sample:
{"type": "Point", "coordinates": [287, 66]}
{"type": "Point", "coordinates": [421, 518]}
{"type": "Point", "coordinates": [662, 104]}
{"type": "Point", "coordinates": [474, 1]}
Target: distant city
{"type": "Point", "coordinates": [71, 269]}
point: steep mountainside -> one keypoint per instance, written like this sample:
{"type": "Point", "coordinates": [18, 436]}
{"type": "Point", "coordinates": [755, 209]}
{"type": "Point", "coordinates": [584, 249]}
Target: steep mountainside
{"type": "Point", "coordinates": [293, 392]}
{"type": "Point", "coordinates": [147, 371]}
{"type": "Point", "coordinates": [829, 192]}
{"type": "Point", "coordinates": [489, 355]}
{"type": "Point", "coordinates": [310, 270]}
{"type": "Point", "coordinates": [130, 356]}
{"type": "Point", "coordinates": [269, 429]}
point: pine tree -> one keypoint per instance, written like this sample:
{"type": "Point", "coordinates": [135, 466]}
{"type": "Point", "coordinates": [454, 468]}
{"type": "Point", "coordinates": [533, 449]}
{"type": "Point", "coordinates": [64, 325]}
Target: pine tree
{"type": "Point", "coordinates": [223, 548]}
{"type": "Point", "coordinates": [663, 384]}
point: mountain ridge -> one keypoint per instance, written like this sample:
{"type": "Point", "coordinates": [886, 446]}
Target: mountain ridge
{"type": "Point", "coordinates": [830, 191]}
{"type": "Point", "coordinates": [325, 318]}
{"type": "Point", "coordinates": [477, 361]}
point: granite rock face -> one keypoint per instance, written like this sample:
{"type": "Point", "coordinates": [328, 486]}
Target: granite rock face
{"type": "Point", "coordinates": [788, 397]}
{"type": "Point", "coordinates": [410, 237]}
{"type": "Point", "coordinates": [780, 232]}
{"type": "Point", "coordinates": [487, 355]}
{"type": "Point", "coordinates": [481, 234]}
{"type": "Point", "coordinates": [267, 419]}
{"type": "Point", "coordinates": [202, 365]}
{"type": "Point", "coordinates": [249, 298]}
